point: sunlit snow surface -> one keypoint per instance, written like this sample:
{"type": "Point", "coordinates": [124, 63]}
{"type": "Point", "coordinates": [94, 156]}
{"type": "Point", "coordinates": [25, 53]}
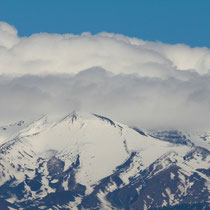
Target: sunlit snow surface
{"type": "Point", "coordinates": [101, 145]}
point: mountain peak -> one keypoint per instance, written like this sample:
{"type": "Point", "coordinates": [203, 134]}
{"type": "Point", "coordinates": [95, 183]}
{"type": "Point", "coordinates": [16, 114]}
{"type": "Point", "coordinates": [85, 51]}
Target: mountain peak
{"type": "Point", "coordinates": [88, 160]}
{"type": "Point", "coordinates": [72, 116]}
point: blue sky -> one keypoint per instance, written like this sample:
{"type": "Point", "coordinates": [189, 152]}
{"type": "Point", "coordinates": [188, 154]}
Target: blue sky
{"type": "Point", "coordinates": [170, 21]}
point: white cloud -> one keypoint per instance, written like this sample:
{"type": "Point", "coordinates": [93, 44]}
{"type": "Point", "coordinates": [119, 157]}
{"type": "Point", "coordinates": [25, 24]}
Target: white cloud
{"type": "Point", "coordinates": [8, 35]}
{"type": "Point", "coordinates": [149, 84]}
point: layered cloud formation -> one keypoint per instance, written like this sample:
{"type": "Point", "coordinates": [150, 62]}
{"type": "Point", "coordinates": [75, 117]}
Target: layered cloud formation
{"type": "Point", "coordinates": [137, 82]}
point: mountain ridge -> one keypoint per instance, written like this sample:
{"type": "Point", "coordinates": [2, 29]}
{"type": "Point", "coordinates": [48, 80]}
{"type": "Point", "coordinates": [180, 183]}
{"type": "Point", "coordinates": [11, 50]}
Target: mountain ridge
{"type": "Point", "coordinates": [92, 162]}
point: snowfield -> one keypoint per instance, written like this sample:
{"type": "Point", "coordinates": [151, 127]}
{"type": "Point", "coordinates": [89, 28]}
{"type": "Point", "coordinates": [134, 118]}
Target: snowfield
{"type": "Point", "coordinates": [88, 150]}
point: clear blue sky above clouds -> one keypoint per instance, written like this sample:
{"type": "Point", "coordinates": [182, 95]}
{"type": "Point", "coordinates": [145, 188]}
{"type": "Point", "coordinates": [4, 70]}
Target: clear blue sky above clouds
{"type": "Point", "coordinates": [170, 21]}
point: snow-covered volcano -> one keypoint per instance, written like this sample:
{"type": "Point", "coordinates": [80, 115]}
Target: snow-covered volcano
{"type": "Point", "coordinates": [86, 161]}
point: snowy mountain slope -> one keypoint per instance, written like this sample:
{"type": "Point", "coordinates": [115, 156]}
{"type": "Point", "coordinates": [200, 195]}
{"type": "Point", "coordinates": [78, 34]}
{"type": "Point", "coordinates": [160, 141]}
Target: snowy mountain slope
{"type": "Point", "coordinates": [86, 161]}
{"type": "Point", "coordinates": [8, 131]}
{"type": "Point", "coordinates": [199, 138]}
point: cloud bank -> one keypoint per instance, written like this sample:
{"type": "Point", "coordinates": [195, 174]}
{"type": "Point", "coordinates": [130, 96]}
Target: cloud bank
{"type": "Point", "coordinates": [137, 82]}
